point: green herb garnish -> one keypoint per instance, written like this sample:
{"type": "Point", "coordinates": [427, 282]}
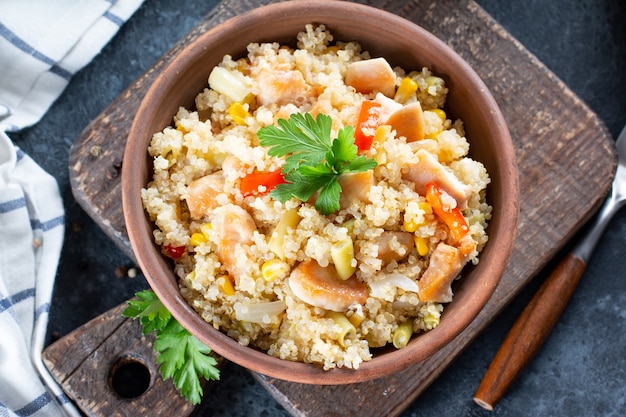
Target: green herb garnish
{"type": "Point", "coordinates": [181, 355]}
{"type": "Point", "coordinates": [314, 161]}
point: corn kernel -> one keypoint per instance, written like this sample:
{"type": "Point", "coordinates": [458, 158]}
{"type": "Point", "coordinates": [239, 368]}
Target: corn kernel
{"type": "Point", "coordinates": [181, 128]}
{"type": "Point", "coordinates": [381, 134]}
{"type": "Point", "coordinates": [225, 284]}
{"type": "Point", "coordinates": [333, 48]}
{"type": "Point", "coordinates": [433, 135]}
{"type": "Point", "coordinates": [441, 114]}
{"type": "Point", "coordinates": [409, 226]}
{"type": "Point", "coordinates": [205, 228]}
{"type": "Point", "coordinates": [425, 207]}
{"type": "Point", "coordinates": [248, 99]}
{"type": "Point", "coordinates": [242, 66]}
{"type": "Point", "coordinates": [197, 239]}
{"type": "Point", "coordinates": [406, 89]}
{"type": "Point", "coordinates": [274, 268]}
{"type": "Point", "coordinates": [421, 244]}
{"type": "Point", "coordinates": [239, 113]}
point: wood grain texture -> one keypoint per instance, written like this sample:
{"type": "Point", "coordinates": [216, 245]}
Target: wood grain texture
{"type": "Point", "coordinates": [84, 362]}
{"type": "Point", "coordinates": [563, 151]}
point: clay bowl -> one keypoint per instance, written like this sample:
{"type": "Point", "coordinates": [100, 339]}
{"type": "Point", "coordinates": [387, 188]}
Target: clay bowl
{"type": "Point", "coordinates": [383, 34]}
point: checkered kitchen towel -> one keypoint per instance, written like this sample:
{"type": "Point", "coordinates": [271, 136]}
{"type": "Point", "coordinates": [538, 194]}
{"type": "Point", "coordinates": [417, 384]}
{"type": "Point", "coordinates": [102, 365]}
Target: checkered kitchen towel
{"type": "Point", "coordinates": [43, 43]}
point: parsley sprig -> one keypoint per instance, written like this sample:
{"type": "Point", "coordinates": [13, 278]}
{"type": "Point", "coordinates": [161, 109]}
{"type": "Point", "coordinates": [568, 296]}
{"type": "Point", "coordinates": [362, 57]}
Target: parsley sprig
{"type": "Point", "coordinates": [181, 355]}
{"type": "Point", "coordinates": [314, 160]}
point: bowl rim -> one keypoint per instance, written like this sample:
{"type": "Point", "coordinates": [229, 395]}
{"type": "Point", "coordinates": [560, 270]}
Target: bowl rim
{"type": "Point", "coordinates": [152, 262]}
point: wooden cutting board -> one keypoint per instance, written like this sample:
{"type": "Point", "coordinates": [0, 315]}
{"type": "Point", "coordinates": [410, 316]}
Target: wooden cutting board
{"type": "Point", "coordinates": [563, 150]}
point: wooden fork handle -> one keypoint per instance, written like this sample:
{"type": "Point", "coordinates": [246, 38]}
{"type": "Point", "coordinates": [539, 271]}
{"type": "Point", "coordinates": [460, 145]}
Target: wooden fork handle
{"type": "Point", "coordinates": [530, 331]}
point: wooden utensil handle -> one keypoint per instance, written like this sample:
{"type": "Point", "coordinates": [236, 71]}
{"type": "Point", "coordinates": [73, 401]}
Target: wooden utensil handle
{"type": "Point", "coordinates": [530, 331]}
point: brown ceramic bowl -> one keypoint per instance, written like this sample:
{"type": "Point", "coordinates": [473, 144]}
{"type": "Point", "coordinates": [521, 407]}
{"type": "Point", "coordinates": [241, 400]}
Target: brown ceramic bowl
{"type": "Point", "coordinates": [383, 34]}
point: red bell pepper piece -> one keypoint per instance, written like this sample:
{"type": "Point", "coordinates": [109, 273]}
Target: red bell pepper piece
{"type": "Point", "coordinates": [368, 121]}
{"type": "Point", "coordinates": [250, 183]}
{"type": "Point", "coordinates": [174, 252]}
{"type": "Point", "coordinates": [452, 217]}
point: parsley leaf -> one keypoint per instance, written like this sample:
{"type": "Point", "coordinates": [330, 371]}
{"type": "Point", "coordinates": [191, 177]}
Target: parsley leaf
{"type": "Point", "coordinates": [300, 185]}
{"type": "Point", "coordinates": [313, 161]}
{"type": "Point", "coordinates": [343, 149]}
{"type": "Point", "coordinates": [328, 200]}
{"type": "Point", "coordinates": [181, 356]}
{"type": "Point", "coordinates": [154, 316]}
{"type": "Point", "coordinates": [306, 139]}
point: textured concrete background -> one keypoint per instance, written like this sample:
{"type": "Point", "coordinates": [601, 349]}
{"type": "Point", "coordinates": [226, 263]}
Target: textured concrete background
{"type": "Point", "coordinates": [581, 371]}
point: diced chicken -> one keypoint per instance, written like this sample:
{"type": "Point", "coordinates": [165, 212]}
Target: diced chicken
{"type": "Point", "coordinates": [446, 262]}
{"type": "Point", "coordinates": [388, 106]}
{"type": "Point", "coordinates": [321, 287]}
{"type": "Point", "coordinates": [355, 186]}
{"type": "Point", "coordinates": [285, 111]}
{"type": "Point", "coordinates": [202, 194]}
{"type": "Point", "coordinates": [281, 87]}
{"type": "Point", "coordinates": [325, 106]}
{"type": "Point", "coordinates": [234, 226]}
{"type": "Point", "coordinates": [372, 75]}
{"type": "Point", "coordinates": [394, 246]}
{"type": "Point", "coordinates": [427, 169]}
{"type": "Point", "coordinates": [408, 121]}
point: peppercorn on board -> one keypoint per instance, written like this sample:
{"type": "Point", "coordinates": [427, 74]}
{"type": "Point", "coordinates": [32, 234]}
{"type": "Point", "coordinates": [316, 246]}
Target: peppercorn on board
{"type": "Point", "coordinates": [548, 159]}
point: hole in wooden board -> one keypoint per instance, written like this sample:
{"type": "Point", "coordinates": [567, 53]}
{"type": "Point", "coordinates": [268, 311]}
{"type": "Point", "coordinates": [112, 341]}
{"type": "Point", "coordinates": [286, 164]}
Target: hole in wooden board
{"type": "Point", "coordinates": [130, 377]}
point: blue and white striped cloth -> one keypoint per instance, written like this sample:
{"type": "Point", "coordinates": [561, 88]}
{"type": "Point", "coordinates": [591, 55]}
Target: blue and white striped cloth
{"type": "Point", "coordinates": [43, 43]}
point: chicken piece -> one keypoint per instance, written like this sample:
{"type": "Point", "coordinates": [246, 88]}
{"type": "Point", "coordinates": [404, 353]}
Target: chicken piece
{"type": "Point", "coordinates": [202, 194]}
{"type": "Point", "coordinates": [446, 262]}
{"type": "Point", "coordinates": [388, 106]}
{"type": "Point", "coordinates": [372, 75]}
{"type": "Point", "coordinates": [428, 169]}
{"type": "Point", "coordinates": [284, 112]}
{"type": "Point", "coordinates": [408, 121]}
{"type": "Point", "coordinates": [281, 87]}
{"type": "Point", "coordinates": [325, 106]}
{"type": "Point", "coordinates": [234, 226]}
{"type": "Point", "coordinates": [321, 287]}
{"type": "Point", "coordinates": [355, 186]}
{"type": "Point", "coordinates": [394, 246]}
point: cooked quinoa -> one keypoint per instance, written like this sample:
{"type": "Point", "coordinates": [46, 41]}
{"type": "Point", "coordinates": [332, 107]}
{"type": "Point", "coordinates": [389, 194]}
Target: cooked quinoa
{"type": "Point", "coordinates": [240, 259]}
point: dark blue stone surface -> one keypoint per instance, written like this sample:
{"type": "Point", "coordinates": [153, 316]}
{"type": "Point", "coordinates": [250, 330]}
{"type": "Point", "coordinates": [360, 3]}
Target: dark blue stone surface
{"type": "Point", "coordinates": [581, 370]}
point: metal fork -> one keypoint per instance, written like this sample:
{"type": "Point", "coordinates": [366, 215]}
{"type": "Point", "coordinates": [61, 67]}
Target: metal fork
{"type": "Point", "coordinates": [542, 312]}
{"type": "Point", "coordinates": [4, 112]}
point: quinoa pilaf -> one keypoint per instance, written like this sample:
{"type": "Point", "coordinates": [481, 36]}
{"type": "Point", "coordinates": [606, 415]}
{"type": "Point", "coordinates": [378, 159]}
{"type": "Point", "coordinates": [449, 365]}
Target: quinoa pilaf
{"type": "Point", "coordinates": [281, 276]}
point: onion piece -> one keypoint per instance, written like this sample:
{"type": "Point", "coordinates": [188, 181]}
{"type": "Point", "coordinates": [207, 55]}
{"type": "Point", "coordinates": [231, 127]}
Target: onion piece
{"type": "Point", "coordinates": [385, 287]}
{"type": "Point", "coordinates": [255, 312]}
